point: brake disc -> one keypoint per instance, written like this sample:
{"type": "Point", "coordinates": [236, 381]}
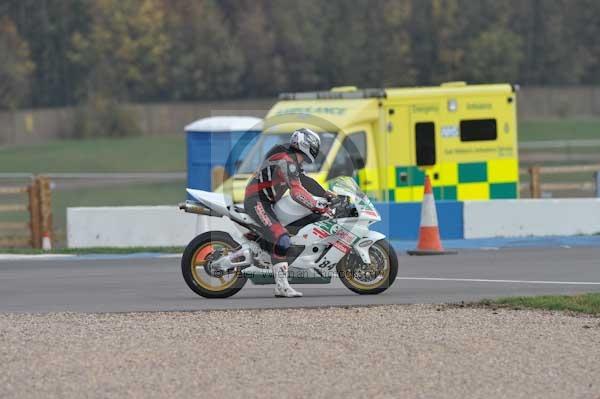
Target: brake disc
{"type": "Point", "coordinates": [363, 272]}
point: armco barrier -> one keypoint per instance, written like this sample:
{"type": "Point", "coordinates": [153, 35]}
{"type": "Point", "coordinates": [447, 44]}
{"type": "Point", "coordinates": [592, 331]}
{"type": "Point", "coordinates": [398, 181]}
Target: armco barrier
{"type": "Point", "coordinates": [531, 217]}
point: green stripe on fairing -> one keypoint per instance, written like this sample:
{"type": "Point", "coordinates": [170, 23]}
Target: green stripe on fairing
{"type": "Point", "coordinates": [475, 172]}
{"type": "Point", "coordinates": [503, 190]}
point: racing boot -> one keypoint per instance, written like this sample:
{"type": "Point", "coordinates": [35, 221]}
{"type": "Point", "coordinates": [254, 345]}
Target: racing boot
{"type": "Point", "coordinates": [282, 286]}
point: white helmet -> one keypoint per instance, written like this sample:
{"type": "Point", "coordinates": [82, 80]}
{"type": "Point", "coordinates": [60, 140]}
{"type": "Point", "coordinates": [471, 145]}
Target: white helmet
{"type": "Point", "coordinates": [307, 142]}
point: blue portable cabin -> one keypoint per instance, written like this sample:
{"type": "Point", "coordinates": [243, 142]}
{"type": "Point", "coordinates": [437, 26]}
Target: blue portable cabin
{"type": "Point", "coordinates": [218, 141]}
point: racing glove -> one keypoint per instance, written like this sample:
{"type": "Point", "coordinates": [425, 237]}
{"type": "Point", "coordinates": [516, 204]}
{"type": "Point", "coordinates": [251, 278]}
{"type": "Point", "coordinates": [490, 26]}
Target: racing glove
{"type": "Point", "coordinates": [323, 208]}
{"type": "Point", "coordinates": [321, 205]}
{"type": "Point", "coordinates": [329, 195]}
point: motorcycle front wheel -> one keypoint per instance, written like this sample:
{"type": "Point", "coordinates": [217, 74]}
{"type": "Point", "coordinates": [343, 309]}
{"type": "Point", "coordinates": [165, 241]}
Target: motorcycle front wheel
{"type": "Point", "coordinates": [196, 273]}
{"type": "Point", "coordinates": [370, 279]}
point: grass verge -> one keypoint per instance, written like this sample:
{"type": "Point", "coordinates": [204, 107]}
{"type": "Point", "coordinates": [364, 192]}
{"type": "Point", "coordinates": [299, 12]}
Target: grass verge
{"type": "Point", "coordinates": [95, 251]}
{"type": "Point", "coordinates": [168, 153]}
{"type": "Point", "coordinates": [583, 303]}
{"type": "Point", "coordinates": [559, 129]}
{"type": "Point", "coordinates": [129, 154]}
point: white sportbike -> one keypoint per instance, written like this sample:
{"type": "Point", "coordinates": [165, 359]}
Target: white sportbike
{"type": "Point", "coordinates": [217, 264]}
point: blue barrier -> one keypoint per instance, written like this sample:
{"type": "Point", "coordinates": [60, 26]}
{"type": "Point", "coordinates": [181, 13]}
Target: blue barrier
{"type": "Point", "coordinates": [400, 221]}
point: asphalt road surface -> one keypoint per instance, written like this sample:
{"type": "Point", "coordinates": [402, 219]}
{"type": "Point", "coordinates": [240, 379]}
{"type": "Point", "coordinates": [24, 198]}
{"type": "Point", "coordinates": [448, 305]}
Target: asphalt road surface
{"type": "Point", "coordinates": [97, 284]}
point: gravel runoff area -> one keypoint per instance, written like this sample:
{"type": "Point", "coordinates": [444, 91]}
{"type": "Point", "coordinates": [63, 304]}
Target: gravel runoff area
{"type": "Point", "coordinates": [401, 351]}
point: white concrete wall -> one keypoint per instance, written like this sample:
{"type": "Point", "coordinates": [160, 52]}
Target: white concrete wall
{"type": "Point", "coordinates": [531, 217]}
{"type": "Point", "coordinates": [136, 226]}
{"type": "Point", "coordinates": [168, 226]}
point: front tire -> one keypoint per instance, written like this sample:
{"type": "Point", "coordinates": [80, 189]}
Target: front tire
{"type": "Point", "coordinates": [195, 274]}
{"type": "Point", "coordinates": [370, 279]}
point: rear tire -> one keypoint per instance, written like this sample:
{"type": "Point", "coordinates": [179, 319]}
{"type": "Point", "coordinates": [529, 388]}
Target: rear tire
{"type": "Point", "coordinates": [380, 251]}
{"type": "Point", "coordinates": [197, 278]}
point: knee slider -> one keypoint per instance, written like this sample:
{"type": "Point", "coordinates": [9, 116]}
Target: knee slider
{"type": "Point", "coordinates": [282, 245]}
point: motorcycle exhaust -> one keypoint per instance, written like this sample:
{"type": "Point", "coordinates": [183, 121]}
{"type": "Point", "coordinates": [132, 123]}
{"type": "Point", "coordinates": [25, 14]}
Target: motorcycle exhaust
{"type": "Point", "coordinates": [195, 207]}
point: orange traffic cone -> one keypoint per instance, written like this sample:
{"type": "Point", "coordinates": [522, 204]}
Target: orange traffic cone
{"type": "Point", "coordinates": [429, 232]}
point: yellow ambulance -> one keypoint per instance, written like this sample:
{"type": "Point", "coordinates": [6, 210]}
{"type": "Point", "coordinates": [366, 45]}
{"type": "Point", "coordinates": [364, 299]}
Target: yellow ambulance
{"type": "Point", "coordinates": [463, 136]}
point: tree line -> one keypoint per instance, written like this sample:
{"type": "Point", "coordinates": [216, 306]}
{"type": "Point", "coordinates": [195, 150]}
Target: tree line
{"type": "Point", "coordinates": [69, 52]}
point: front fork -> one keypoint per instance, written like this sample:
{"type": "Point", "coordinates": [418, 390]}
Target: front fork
{"type": "Point", "coordinates": [363, 246]}
{"type": "Point", "coordinates": [362, 249]}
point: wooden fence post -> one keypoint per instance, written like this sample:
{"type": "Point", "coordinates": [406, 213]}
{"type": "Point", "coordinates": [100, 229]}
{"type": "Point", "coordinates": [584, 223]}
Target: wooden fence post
{"type": "Point", "coordinates": [34, 213]}
{"type": "Point", "coordinates": [45, 207]}
{"type": "Point", "coordinates": [534, 182]}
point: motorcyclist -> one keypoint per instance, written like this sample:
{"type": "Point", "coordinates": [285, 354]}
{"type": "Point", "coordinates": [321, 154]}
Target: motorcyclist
{"type": "Point", "coordinates": [282, 170]}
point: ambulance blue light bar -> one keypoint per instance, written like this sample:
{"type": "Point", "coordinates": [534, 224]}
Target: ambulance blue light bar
{"type": "Point", "coordinates": [333, 95]}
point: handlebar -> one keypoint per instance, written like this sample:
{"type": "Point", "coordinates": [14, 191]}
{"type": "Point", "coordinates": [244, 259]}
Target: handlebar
{"type": "Point", "coordinates": [342, 206]}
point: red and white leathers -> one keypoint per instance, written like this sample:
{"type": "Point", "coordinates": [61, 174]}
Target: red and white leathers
{"type": "Point", "coordinates": [279, 172]}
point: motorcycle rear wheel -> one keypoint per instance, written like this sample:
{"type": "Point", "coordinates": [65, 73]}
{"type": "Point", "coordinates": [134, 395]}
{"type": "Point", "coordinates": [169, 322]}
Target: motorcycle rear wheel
{"type": "Point", "coordinates": [353, 272]}
{"type": "Point", "coordinates": [193, 262]}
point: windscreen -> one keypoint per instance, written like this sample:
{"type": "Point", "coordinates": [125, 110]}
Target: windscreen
{"type": "Point", "coordinates": [345, 186]}
{"type": "Point", "coordinates": [348, 187]}
{"type": "Point", "coordinates": [266, 141]}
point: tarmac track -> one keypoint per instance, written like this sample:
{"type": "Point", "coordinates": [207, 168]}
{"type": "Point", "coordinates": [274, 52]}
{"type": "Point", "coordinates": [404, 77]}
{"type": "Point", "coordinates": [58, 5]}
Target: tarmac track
{"type": "Point", "coordinates": [133, 283]}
